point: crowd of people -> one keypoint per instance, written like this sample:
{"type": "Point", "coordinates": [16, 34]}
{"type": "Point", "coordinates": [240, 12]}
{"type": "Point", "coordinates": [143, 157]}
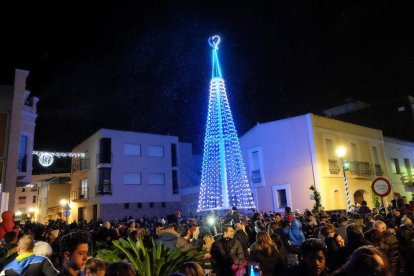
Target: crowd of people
{"type": "Point", "coordinates": [366, 241]}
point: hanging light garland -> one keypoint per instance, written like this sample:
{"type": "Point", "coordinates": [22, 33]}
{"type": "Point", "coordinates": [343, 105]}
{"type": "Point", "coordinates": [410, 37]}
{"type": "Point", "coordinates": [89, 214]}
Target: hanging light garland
{"type": "Point", "coordinates": [46, 158]}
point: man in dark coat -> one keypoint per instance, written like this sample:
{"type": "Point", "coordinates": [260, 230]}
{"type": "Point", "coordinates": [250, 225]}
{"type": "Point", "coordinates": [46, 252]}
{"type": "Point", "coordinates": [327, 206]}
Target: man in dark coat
{"type": "Point", "coordinates": [386, 241]}
{"type": "Point", "coordinates": [226, 252]}
{"type": "Point", "coordinates": [405, 236]}
{"type": "Point", "coordinates": [242, 237]}
{"type": "Point", "coordinates": [364, 209]}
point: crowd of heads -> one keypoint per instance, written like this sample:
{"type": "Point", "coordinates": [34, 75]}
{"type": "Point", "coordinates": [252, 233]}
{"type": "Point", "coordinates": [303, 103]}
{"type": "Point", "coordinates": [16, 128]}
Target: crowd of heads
{"type": "Point", "coordinates": [360, 242]}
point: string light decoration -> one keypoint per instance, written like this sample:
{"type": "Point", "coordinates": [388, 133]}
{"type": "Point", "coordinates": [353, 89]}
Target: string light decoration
{"type": "Point", "coordinates": [46, 158]}
{"type": "Point", "coordinates": [224, 181]}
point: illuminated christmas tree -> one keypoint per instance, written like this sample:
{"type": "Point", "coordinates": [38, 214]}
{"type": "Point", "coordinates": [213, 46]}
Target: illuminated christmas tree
{"type": "Point", "coordinates": [224, 181]}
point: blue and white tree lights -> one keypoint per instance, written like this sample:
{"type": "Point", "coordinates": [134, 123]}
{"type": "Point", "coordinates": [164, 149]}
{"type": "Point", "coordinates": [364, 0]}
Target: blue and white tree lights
{"type": "Point", "coordinates": [224, 181]}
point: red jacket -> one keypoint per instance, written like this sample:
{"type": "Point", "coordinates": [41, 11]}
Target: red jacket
{"type": "Point", "coordinates": [7, 224]}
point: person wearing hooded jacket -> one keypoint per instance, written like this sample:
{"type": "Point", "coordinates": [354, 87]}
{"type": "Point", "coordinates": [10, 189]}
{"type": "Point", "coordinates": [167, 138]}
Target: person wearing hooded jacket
{"type": "Point", "coordinates": [8, 224]}
{"type": "Point", "coordinates": [296, 235]}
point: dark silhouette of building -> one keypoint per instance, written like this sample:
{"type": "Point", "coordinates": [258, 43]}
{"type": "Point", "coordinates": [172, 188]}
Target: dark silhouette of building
{"type": "Point", "coordinates": [395, 117]}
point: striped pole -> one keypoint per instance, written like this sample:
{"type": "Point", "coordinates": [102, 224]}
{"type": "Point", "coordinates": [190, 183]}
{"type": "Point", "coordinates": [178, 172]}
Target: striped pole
{"type": "Point", "coordinates": [348, 198]}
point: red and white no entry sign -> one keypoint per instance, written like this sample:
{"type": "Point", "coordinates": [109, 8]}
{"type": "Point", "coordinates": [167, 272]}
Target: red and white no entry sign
{"type": "Point", "coordinates": [381, 186]}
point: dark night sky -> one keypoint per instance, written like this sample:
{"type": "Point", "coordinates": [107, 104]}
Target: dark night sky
{"type": "Point", "coordinates": [146, 66]}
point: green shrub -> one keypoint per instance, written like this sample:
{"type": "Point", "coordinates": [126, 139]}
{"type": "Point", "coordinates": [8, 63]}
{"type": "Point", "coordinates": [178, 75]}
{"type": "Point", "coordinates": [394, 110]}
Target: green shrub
{"type": "Point", "coordinates": [157, 261]}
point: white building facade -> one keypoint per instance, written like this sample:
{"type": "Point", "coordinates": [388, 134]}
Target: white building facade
{"type": "Point", "coordinates": [18, 113]}
{"type": "Point", "coordinates": [400, 160]}
{"type": "Point", "coordinates": [285, 158]}
{"type": "Point", "coordinates": [128, 174]}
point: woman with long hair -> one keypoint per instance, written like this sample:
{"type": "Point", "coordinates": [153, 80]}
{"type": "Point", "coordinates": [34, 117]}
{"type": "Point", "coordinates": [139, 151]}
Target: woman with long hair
{"type": "Point", "coordinates": [208, 241]}
{"type": "Point", "coordinates": [366, 260]}
{"type": "Point", "coordinates": [265, 252]}
{"type": "Point", "coordinates": [191, 269]}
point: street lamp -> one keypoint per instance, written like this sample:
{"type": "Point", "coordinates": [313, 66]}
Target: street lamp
{"type": "Point", "coordinates": [340, 152]}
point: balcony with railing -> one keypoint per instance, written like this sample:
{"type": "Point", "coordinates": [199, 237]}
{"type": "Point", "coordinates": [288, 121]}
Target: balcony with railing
{"type": "Point", "coordinates": [103, 159]}
{"type": "Point", "coordinates": [81, 165]}
{"type": "Point", "coordinates": [378, 170]}
{"type": "Point", "coordinates": [407, 178]}
{"type": "Point", "coordinates": [79, 194]}
{"type": "Point", "coordinates": [256, 176]}
{"type": "Point", "coordinates": [103, 188]}
{"type": "Point", "coordinates": [334, 166]}
{"type": "Point", "coordinates": [360, 169]}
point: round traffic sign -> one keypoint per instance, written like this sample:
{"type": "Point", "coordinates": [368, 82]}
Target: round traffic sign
{"type": "Point", "coordinates": [381, 186]}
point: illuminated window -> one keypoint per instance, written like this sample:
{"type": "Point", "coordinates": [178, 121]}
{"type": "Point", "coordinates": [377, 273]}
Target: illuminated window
{"type": "Point", "coordinates": [156, 179]}
{"type": "Point", "coordinates": [21, 200]}
{"type": "Point", "coordinates": [395, 166]}
{"type": "Point", "coordinates": [83, 193]}
{"type": "Point", "coordinates": [132, 149]}
{"type": "Point", "coordinates": [132, 178]}
{"type": "Point", "coordinates": [156, 151]}
{"type": "Point", "coordinates": [407, 165]}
